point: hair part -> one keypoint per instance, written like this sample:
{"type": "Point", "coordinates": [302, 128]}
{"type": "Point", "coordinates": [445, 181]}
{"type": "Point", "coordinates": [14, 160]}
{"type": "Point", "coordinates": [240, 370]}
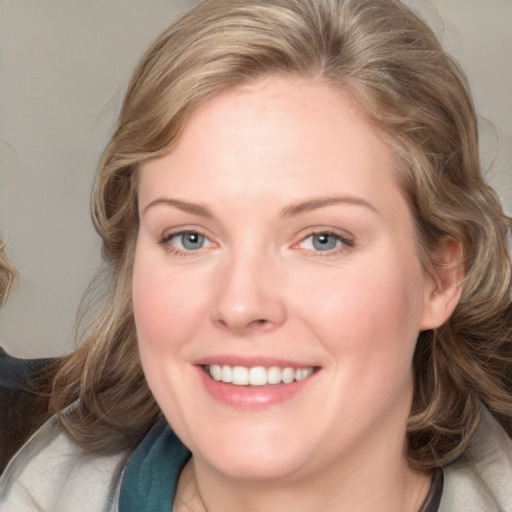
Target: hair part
{"type": "Point", "coordinates": [397, 74]}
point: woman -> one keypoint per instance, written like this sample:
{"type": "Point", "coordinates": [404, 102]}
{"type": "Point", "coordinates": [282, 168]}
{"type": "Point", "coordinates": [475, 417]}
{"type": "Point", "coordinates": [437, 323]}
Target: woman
{"type": "Point", "coordinates": [308, 280]}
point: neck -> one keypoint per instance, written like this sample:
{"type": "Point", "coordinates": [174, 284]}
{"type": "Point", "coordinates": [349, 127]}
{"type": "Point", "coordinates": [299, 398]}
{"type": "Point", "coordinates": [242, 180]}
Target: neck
{"type": "Point", "coordinates": [366, 488]}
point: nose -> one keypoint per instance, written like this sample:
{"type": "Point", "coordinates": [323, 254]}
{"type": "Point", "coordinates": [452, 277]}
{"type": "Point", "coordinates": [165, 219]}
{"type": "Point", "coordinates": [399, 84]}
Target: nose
{"type": "Point", "coordinates": [249, 296]}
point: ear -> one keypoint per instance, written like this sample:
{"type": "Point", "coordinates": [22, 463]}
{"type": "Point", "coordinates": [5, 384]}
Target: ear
{"type": "Point", "coordinates": [445, 288]}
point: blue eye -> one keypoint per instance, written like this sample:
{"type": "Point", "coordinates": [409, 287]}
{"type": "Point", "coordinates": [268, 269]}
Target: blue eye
{"type": "Point", "coordinates": [324, 241]}
{"type": "Point", "coordinates": [188, 240]}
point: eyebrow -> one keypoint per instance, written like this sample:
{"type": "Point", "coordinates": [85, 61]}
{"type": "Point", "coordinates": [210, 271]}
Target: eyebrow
{"type": "Point", "coordinates": [289, 211]}
{"type": "Point", "coordinates": [319, 202]}
{"type": "Point", "coordinates": [194, 208]}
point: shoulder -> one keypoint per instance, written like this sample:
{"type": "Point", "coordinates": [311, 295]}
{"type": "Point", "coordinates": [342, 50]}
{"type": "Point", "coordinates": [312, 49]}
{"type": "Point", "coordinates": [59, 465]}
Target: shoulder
{"type": "Point", "coordinates": [483, 479]}
{"type": "Point", "coordinates": [52, 473]}
{"type": "Point", "coordinates": [16, 373]}
{"type": "Point", "coordinates": [24, 397]}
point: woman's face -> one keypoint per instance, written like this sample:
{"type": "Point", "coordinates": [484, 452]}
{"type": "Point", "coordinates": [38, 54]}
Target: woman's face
{"type": "Point", "coordinates": [276, 253]}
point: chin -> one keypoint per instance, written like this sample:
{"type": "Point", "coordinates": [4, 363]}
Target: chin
{"type": "Point", "coordinates": [254, 457]}
{"type": "Point", "coordinates": [259, 468]}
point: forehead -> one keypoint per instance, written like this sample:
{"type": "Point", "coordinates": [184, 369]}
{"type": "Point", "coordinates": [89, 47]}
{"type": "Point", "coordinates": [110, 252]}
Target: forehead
{"type": "Point", "coordinates": [283, 137]}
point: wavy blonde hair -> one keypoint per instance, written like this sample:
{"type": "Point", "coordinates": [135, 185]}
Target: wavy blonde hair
{"type": "Point", "coordinates": [395, 70]}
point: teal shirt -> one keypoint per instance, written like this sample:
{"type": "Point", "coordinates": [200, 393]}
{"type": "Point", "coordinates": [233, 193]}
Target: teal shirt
{"type": "Point", "coordinates": [151, 474]}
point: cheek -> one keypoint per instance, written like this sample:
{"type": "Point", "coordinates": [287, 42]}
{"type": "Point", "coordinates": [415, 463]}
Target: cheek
{"type": "Point", "coordinates": [162, 306]}
{"type": "Point", "coordinates": [164, 322]}
{"type": "Point", "coordinates": [368, 315]}
{"type": "Point", "coordinates": [150, 306]}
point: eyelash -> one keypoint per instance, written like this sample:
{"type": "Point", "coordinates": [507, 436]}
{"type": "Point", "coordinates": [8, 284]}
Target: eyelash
{"type": "Point", "coordinates": [172, 249]}
{"type": "Point", "coordinates": [344, 241]}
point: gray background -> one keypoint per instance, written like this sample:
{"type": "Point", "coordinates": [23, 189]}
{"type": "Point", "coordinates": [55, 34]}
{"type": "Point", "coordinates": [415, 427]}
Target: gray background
{"type": "Point", "coordinates": [63, 69]}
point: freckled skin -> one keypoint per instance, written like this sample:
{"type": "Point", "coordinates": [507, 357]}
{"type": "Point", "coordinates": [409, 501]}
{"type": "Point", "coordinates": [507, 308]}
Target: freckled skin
{"type": "Point", "coordinates": [259, 287]}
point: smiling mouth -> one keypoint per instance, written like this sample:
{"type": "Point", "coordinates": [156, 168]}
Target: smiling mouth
{"type": "Point", "coordinates": [257, 375]}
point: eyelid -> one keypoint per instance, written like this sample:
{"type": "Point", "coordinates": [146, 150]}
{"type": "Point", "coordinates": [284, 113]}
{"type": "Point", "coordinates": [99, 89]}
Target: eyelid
{"type": "Point", "coordinates": [167, 235]}
{"type": "Point", "coordinates": [347, 239]}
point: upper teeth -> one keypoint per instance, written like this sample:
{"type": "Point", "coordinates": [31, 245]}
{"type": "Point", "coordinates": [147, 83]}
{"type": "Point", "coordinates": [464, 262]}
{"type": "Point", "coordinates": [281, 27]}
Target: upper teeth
{"type": "Point", "coordinates": [257, 375]}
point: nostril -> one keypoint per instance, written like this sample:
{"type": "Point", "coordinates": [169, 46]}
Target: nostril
{"type": "Point", "coordinates": [260, 323]}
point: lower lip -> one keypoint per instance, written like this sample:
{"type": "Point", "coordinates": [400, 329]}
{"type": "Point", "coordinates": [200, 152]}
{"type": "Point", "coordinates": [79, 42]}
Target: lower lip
{"type": "Point", "coordinates": [252, 397]}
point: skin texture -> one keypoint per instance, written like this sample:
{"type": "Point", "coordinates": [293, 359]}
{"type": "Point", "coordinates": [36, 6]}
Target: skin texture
{"type": "Point", "coordinates": [265, 166]}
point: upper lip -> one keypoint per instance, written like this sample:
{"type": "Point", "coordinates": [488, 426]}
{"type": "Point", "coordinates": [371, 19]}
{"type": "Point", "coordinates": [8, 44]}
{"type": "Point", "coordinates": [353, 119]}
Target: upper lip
{"type": "Point", "coordinates": [251, 361]}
